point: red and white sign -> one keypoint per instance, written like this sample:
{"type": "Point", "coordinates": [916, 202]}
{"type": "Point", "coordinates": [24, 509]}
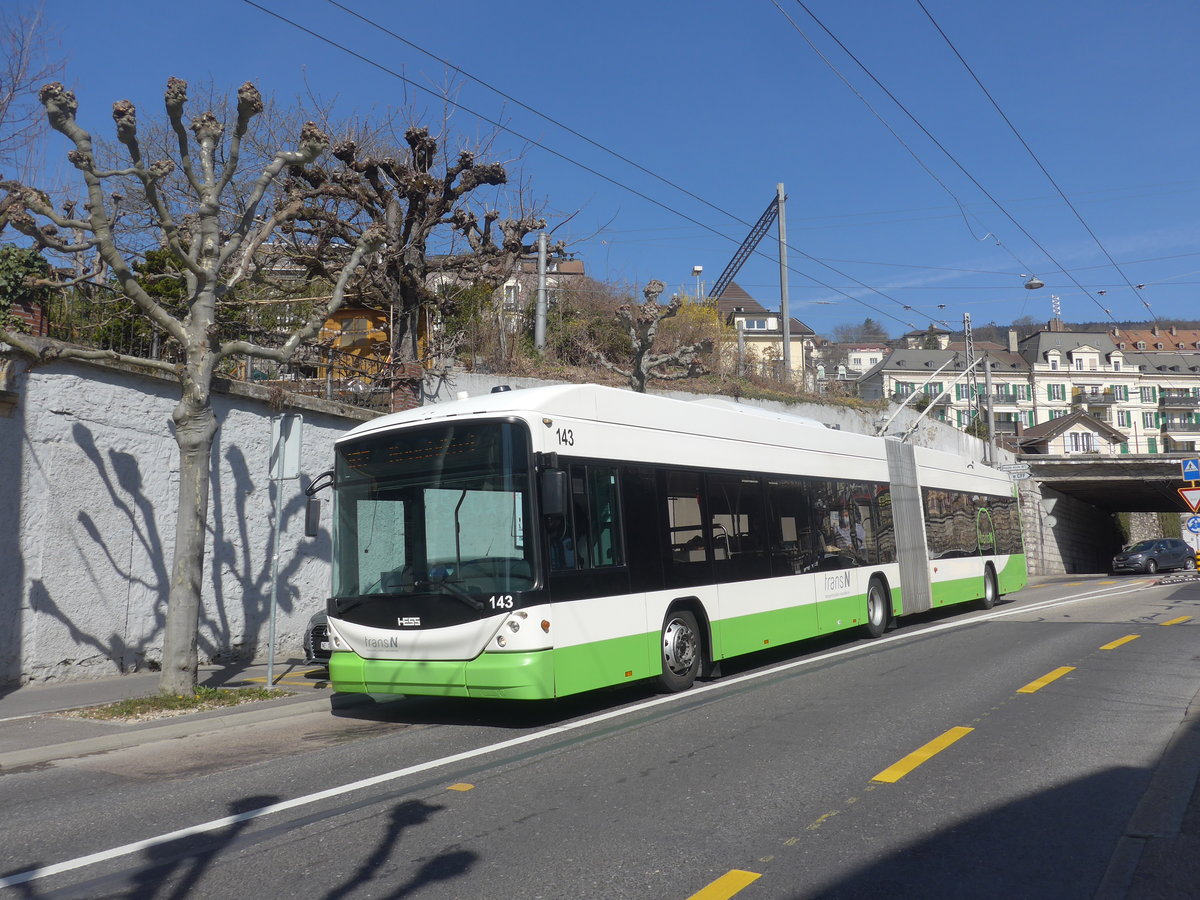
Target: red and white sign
{"type": "Point", "coordinates": [1191, 496]}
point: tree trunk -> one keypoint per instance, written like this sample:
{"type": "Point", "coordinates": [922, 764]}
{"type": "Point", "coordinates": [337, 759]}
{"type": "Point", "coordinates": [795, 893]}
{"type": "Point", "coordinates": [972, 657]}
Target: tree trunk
{"type": "Point", "coordinates": [195, 429]}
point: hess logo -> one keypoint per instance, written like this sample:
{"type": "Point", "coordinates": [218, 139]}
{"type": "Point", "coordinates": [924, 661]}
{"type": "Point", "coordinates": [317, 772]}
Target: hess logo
{"type": "Point", "coordinates": [409, 621]}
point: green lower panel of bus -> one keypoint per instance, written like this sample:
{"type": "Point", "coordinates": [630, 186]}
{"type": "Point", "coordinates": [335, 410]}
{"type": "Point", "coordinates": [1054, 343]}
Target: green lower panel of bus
{"type": "Point", "coordinates": [503, 676]}
{"type": "Point", "coordinates": [1012, 577]}
{"type": "Point", "coordinates": [571, 670]}
{"type": "Point", "coordinates": [510, 676]}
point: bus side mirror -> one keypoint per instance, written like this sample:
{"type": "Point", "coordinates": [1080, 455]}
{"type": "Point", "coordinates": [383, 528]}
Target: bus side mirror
{"type": "Point", "coordinates": [312, 517]}
{"type": "Point", "coordinates": [312, 512]}
{"type": "Point", "coordinates": [554, 492]}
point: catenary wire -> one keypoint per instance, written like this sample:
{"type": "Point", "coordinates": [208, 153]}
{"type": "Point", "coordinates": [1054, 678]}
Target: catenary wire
{"type": "Point", "coordinates": [564, 157]}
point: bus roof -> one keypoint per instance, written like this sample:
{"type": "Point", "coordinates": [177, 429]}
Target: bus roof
{"type": "Point", "coordinates": [589, 401]}
{"type": "Point", "coordinates": [637, 416]}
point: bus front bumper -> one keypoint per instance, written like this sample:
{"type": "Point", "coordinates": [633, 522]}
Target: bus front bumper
{"type": "Point", "coordinates": [504, 676]}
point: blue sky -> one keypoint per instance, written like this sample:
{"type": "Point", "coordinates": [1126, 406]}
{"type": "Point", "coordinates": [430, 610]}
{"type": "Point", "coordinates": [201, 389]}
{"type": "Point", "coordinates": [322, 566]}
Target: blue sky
{"type": "Point", "coordinates": [726, 99]}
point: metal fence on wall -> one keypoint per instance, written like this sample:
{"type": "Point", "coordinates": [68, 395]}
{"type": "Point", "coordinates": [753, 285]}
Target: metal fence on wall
{"type": "Point", "coordinates": [361, 374]}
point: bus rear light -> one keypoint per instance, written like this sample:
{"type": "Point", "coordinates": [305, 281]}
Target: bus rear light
{"type": "Point", "coordinates": [546, 625]}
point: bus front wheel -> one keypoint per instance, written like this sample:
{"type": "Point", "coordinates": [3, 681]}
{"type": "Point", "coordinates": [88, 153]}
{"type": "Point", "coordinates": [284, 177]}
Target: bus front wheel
{"type": "Point", "coordinates": [681, 651]}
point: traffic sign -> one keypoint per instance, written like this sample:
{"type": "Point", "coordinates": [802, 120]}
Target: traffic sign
{"type": "Point", "coordinates": [1018, 476]}
{"type": "Point", "coordinates": [1017, 467]}
{"type": "Point", "coordinates": [1191, 469]}
{"type": "Point", "coordinates": [1191, 496]}
{"type": "Point", "coordinates": [1193, 524]}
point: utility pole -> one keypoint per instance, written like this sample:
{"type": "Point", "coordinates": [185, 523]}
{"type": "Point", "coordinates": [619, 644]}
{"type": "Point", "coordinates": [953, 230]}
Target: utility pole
{"type": "Point", "coordinates": [539, 317]}
{"type": "Point", "coordinates": [991, 408]}
{"type": "Point", "coordinates": [785, 317]}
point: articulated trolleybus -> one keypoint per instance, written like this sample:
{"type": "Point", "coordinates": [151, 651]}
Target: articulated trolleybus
{"type": "Point", "coordinates": [538, 543]}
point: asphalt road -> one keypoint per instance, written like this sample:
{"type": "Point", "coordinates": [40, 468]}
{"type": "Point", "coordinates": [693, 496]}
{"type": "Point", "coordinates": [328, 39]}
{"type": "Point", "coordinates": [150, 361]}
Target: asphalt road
{"type": "Point", "coordinates": [964, 755]}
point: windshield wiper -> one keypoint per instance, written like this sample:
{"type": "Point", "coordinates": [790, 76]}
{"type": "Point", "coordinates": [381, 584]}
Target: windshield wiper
{"type": "Point", "coordinates": [459, 594]}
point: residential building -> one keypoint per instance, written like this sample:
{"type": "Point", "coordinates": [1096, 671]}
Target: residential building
{"type": "Point", "coordinates": [1151, 397]}
{"type": "Point", "coordinates": [761, 332]}
{"type": "Point", "coordinates": [518, 293]}
{"type": "Point", "coordinates": [1077, 432]}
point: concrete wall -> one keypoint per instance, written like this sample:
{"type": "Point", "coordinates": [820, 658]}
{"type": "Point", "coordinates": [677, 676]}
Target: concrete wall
{"type": "Point", "coordinates": [90, 483]}
{"type": "Point", "coordinates": [1068, 537]}
{"type": "Point", "coordinates": [90, 490]}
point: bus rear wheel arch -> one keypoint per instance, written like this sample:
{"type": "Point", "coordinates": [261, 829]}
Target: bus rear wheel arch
{"type": "Point", "coordinates": [879, 607]}
{"type": "Point", "coordinates": [681, 650]}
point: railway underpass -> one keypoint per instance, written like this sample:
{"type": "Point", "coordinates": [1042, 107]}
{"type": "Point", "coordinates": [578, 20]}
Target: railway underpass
{"type": "Point", "coordinates": [1069, 501]}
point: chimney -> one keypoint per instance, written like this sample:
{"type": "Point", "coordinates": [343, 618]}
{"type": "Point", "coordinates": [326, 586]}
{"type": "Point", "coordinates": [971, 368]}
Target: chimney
{"type": "Point", "coordinates": [1012, 341]}
{"type": "Point", "coordinates": [1116, 332]}
{"type": "Point", "coordinates": [1154, 330]}
{"type": "Point", "coordinates": [1172, 329]}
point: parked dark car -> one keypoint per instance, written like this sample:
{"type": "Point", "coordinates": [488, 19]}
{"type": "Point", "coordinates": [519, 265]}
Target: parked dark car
{"type": "Point", "coordinates": [1151, 556]}
{"type": "Point", "coordinates": [316, 640]}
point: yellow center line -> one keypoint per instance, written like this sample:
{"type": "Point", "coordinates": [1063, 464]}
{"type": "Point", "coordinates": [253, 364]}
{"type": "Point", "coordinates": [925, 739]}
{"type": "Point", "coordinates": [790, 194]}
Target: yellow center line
{"type": "Point", "coordinates": [1113, 645]}
{"type": "Point", "coordinates": [726, 886]}
{"type": "Point", "coordinates": [1178, 621]}
{"type": "Point", "coordinates": [1045, 680]}
{"type": "Point", "coordinates": [895, 772]}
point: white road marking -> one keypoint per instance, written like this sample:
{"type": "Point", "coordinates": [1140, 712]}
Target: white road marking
{"type": "Point", "coordinates": [308, 799]}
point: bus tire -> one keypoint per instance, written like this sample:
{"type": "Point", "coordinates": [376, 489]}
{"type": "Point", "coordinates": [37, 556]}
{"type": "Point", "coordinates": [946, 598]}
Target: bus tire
{"type": "Point", "coordinates": [991, 591]}
{"type": "Point", "coordinates": [681, 651]}
{"type": "Point", "coordinates": [878, 611]}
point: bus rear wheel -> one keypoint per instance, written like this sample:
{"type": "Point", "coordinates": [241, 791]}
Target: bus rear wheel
{"type": "Point", "coordinates": [681, 651]}
{"type": "Point", "coordinates": [991, 592]}
{"type": "Point", "coordinates": [877, 608]}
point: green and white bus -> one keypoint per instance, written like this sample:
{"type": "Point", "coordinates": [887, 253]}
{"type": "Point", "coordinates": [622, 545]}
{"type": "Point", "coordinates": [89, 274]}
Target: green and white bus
{"type": "Point", "coordinates": [538, 543]}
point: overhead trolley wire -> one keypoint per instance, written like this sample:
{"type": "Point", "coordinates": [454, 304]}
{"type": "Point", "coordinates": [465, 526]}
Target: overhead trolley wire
{"type": "Point", "coordinates": [1136, 289]}
{"type": "Point", "coordinates": [975, 181]}
{"type": "Point", "coordinates": [1037, 161]}
{"type": "Point", "coordinates": [568, 159]}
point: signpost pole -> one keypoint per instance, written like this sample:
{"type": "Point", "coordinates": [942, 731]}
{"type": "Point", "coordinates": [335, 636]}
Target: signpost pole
{"type": "Point", "coordinates": [284, 466]}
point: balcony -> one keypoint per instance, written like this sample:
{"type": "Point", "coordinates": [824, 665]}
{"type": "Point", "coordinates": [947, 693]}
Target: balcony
{"type": "Point", "coordinates": [1178, 401]}
{"type": "Point", "coordinates": [1006, 398]}
{"type": "Point", "coordinates": [922, 399]}
{"type": "Point", "coordinates": [1178, 427]}
{"type": "Point", "coordinates": [1093, 398]}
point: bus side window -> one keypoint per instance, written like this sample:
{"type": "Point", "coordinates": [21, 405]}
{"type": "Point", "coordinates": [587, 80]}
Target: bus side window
{"type": "Point", "coordinates": [589, 535]}
{"type": "Point", "coordinates": [685, 526]}
{"type": "Point", "coordinates": [605, 521]}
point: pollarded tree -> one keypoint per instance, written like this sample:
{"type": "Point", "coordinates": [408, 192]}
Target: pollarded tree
{"type": "Point", "coordinates": [215, 222]}
{"type": "Point", "coordinates": [435, 230]}
{"type": "Point", "coordinates": [642, 321]}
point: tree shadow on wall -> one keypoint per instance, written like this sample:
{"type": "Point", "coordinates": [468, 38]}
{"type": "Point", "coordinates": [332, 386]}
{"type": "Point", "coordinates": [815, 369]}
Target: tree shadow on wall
{"type": "Point", "coordinates": [128, 546]}
{"type": "Point", "coordinates": [242, 564]}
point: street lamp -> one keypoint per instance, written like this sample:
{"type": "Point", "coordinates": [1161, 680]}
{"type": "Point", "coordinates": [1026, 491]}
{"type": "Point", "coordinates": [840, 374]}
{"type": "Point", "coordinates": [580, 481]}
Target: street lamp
{"type": "Point", "coordinates": [696, 272]}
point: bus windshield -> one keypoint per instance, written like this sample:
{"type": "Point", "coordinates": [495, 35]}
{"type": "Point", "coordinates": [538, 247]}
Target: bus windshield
{"type": "Point", "coordinates": [435, 510]}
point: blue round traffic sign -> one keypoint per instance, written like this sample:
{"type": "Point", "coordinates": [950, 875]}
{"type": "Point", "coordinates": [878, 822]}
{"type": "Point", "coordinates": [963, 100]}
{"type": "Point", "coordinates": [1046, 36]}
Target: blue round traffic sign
{"type": "Point", "coordinates": [1193, 524]}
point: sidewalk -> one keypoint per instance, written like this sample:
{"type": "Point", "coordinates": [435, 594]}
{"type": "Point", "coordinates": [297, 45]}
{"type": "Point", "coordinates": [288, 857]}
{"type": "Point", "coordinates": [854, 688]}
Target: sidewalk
{"type": "Point", "coordinates": [30, 733]}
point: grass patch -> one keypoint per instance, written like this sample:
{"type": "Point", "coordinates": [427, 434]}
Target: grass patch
{"type": "Point", "coordinates": [139, 709]}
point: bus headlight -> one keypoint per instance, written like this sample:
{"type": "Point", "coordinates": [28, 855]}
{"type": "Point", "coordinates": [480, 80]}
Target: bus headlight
{"type": "Point", "coordinates": [501, 640]}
